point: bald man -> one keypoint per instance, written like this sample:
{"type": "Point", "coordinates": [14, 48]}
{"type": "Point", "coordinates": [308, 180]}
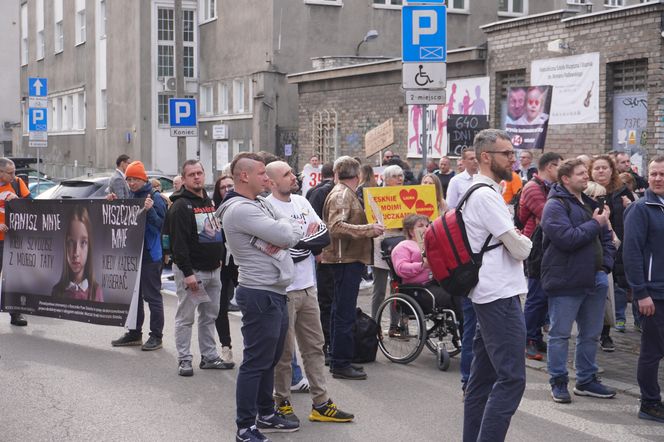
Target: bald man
{"type": "Point", "coordinates": [259, 238]}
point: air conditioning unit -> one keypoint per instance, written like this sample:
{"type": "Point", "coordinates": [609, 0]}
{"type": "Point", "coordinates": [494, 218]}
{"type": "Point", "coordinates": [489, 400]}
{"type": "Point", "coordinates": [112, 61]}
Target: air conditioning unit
{"type": "Point", "coordinates": [170, 84]}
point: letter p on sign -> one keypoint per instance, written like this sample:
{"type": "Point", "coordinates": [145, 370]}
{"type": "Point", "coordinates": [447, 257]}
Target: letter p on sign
{"type": "Point", "coordinates": [182, 111]}
{"type": "Point", "coordinates": [425, 22]}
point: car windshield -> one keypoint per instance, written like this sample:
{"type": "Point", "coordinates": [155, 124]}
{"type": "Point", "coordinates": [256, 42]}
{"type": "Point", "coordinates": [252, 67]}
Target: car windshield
{"type": "Point", "coordinates": [75, 189]}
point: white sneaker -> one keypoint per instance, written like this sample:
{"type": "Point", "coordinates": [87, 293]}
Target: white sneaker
{"type": "Point", "coordinates": [301, 387]}
{"type": "Point", "coordinates": [226, 354]}
{"type": "Point", "coordinates": [366, 284]}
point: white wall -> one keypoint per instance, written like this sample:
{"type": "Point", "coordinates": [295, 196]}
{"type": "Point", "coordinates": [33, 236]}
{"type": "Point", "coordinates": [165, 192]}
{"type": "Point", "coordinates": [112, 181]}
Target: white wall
{"type": "Point", "coordinates": [10, 109]}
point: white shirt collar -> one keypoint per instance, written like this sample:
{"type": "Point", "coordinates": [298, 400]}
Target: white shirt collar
{"type": "Point", "coordinates": [83, 286]}
{"type": "Point", "coordinates": [479, 178]}
{"type": "Point", "coordinates": [121, 173]}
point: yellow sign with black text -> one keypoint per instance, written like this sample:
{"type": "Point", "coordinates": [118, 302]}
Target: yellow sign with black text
{"type": "Point", "coordinates": [390, 205]}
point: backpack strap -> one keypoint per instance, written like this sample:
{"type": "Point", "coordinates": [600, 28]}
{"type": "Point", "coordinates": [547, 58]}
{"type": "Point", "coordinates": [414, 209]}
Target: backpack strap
{"type": "Point", "coordinates": [486, 247]}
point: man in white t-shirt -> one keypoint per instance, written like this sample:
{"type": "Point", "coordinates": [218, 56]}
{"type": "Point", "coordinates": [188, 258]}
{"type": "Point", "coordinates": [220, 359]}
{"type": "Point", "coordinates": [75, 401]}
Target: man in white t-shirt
{"type": "Point", "coordinates": [498, 373]}
{"type": "Point", "coordinates": [303, 311]}
{"type": "Point", "coordinates": [462, 181]}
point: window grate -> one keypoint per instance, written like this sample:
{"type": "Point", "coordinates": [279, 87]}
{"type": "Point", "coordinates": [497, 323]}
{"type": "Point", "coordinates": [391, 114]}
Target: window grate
{"type": "Point", "coordinates": [325, 132]}
{"type": "Point", "coordinates": [629, 75]}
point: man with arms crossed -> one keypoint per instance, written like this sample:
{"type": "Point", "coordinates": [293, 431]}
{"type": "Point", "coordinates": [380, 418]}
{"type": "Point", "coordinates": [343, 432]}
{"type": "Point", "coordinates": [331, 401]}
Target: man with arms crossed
{"type": "Point", "coordinates": [259, 237]}
{"type": "Point", "coordinates": [643, 252]}
{"type": "Point", "coordinates": [303, 312]}
{"type": "Point", "coordinates": [498, 371]}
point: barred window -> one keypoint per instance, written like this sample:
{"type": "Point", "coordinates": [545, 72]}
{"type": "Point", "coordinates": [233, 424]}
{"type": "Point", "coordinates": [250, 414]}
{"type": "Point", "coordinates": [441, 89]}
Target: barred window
{"type": "Point", "coordinates": [629, 75]}
{"type": "Point", "coordinates": [325, 133]}
{"type": "Point", "coordinates": [504, 81]}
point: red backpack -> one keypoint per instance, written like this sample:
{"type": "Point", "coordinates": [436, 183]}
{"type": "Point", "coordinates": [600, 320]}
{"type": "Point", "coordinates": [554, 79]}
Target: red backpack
{"type": "Point", "coordinates": [446, 247]}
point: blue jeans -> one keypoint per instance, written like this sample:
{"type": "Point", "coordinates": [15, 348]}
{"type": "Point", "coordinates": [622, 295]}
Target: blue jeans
{"type": "Point", "coordinates": [346, 287]}
{"type": "Point", "coordinates": [535, 309]}
{"type": "Point", "coordinates": [652, 351]}
{"type": "Point", "coordinates": [498, 372]}
{"type": "Point", "coordinates": [588, 312]}
{"type": "Point", "coordinates": [264, 328]}
{"type": "Point", "coordinates": [469, 325]}
{"type": "Point", "coordinates": [621, 302]}
{"type": "Point", "coordinates": [296, 371]}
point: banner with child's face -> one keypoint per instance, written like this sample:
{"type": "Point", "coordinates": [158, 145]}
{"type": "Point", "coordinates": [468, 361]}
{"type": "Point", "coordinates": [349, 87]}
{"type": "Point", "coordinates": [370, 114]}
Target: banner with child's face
{"type": "Point", "coordinates": [73, 259]}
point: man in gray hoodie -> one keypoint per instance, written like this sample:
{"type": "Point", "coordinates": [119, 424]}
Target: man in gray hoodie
{"type": "Point", "coordinates": [258, 237]}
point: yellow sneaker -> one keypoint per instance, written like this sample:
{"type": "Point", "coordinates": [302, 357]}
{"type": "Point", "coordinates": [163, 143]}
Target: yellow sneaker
{"type": "Point", "coordinates": [328, 412]}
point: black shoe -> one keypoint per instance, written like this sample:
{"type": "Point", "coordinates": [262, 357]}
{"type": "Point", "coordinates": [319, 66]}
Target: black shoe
{"type": "Point", "coordinates": [348, 373]}
{"type": "Point", "coordinates": [541, 346]}
{"type": "Point", "coordinates": [18, 320]}
{"type": "Point", "coordinates": [127, 340]}
{"type": "Point", "coordinates": [215, 364]}
{"type": "Point", "coordinates": [606, 344]}
{"type": "Point", "coordinates": [652, 412]}
{"type": "Point", "coordinates": [185, 368]}
{"type": "Point", "coordinates": [153, 343]}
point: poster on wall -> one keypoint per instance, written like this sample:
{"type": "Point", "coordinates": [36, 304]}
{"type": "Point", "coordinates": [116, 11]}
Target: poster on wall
{"type": "Point", "coordinates": [462, 130]}
{"type": "Point", "coordinates": [528, 115]}
{"type": "Point", "coordinates": [466, 96]}
{"type": "Point", "coordinates": [630, 120]}
{"type": "Point", "coordinates": [78, 260]}
{"type": "Point", "coordinates": [575, 80]}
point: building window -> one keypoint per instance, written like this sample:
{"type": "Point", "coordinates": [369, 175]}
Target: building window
{"type": "Point", "coordinates": [207, 100]}
{"type": "Point", "coordinates": [614, 3]}
{"type": "Point", "coordinates": [80, 21]}
{"type": "Point", "coordinates": [165, 61]}
{"type": "Point", "coordinates": [457, 5]}
{"type": "Point", "coordinates": [162, 108]}
{"type": "Point", "coordinates": [251, 95]}
{"type": "Point", "coordinates": [513, 7]}
{"type": "Point", "coordinates": [388, 4]}
{"type": "Point", "coordinates": [24, 34]}
{"type": "Point", "coordinates": [223, 98]}
{"type": "Point", "coordinates": [165, 25]}
{"type": "Point", "coordinates": [165, 44]}
{"type": "Point", "coordinates": [504, 81]}
{"type": "Point", "coordinates": [41, 43]}
{"type": "Point", "coordinates": [578, 2]}
{"type": "Point", "coordinates": [188, 49]}
{"type": "Point", "coordinates": [58, 31]}
{"type": "Point", "coordinates": [208, 10]}
{"type": "Point", "coordinates": [102, 18]}
{"type": "Point", "coordinates": [56, 104]}
{"type": "Point", "coordinates": [238, 96]}
{"type": "Point", "coordinates": [629, 75]}
{"type": "Point", "coordinates": [325, 131]}
{"type": "Point", "coordinates": [67, 112]}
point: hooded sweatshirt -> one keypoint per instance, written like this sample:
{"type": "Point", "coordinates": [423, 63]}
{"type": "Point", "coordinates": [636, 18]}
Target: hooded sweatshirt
{"type": "Point", "coordinates": [195, 233]}
{"type": "Point", "coordinates": [154, 221]}
{"type": "Point", "coordinates": [259, 237]}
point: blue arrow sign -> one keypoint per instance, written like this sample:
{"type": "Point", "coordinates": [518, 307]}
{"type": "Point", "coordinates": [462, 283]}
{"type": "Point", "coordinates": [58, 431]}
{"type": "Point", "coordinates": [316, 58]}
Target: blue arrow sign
{"type": "Point", "coordinates": [37, 87]}
{"type": "Point", "coordinates": [37, 119]}
{"type": "Point", "coordinates": [424, 33]}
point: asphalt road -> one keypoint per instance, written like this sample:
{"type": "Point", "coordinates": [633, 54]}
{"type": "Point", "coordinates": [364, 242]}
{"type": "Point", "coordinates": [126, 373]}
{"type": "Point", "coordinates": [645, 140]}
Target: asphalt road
{"type": "Point", "coordinates": [62, 381]}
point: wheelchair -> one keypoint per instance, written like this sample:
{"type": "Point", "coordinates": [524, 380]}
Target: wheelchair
{"type": "Point", "coordinates": [415, 316]}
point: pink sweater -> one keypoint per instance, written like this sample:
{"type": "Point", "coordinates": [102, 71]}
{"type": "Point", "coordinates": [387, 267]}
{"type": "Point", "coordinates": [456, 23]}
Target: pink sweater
{"type": "Point", "coordinates": [408, 263]}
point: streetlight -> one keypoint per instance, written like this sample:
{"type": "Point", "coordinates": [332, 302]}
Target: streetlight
{"type": "Point", "coordinates": [372, 34]}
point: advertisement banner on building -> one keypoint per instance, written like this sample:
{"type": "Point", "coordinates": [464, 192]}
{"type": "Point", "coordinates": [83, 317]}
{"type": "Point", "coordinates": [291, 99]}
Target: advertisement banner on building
{"type": "Point", "coordinates": [390, 205]}
{"type": "Point", "coordinates": [630, 120]}
{"type": "Point", "coordinates": [575, 80]}
{"type": "Point", "coordinates": [528, 115]}
{"type": "Point", "coordinates": [75, 260]}
{"type": "Point", "coordinates": [465, 96]}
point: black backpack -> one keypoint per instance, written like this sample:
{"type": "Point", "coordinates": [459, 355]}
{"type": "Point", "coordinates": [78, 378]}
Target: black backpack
{"type": "Point", "coordinates": [366, 332]}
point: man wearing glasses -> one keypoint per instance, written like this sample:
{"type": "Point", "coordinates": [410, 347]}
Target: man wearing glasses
{"type": "Point", "coordinates": [10, 188]}
{"type": "Point", "coordinates": [498, 371]}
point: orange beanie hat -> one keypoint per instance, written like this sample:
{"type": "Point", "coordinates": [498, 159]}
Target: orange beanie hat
{"type": "Point", "coordinates": [136, 170]}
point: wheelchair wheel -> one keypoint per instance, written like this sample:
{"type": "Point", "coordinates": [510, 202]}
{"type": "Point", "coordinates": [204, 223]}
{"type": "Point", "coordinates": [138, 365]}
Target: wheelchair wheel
{"type": "Point", "coordinates": [443, 358]}
{"type": "Point", "coordinates": [442, 331]}
{"type": "Point", "coordinates": [402, 332]}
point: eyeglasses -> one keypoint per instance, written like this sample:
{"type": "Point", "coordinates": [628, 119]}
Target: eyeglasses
{"type": "Point", "coordinates": [533, 102]}
{"type": "Point", "coordinates": [507, 153]}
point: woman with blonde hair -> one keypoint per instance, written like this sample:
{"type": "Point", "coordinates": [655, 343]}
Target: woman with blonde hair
{"type": "Point", "coordinates": [433, 180]}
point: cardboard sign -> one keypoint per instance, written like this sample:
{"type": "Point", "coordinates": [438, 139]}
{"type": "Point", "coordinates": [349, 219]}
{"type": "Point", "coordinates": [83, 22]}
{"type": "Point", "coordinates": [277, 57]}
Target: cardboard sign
{"type": "Point", "coordinates": [462, 130]}
{"type": "Point", "coordinates": [379, 138]}
{"type": "Point", "coordinates": [395, 202]}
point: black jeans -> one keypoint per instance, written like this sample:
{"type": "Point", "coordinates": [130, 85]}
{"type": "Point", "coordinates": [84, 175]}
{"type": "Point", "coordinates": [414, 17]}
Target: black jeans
{"type": "Point", "coordinates": [150, 292]}
{"type": "Point", "coordinates": [325, 286]}
{"type": "Point", "coordinates": [221, 324]}
{"type": "Point", "coordinates": [346, 287]}
{"type": "Point", "coordinates": [652, 351]}
{"type": "Point", "coordinates": [264, 328]}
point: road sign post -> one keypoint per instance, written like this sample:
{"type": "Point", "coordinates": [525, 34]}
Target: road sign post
{"type": "Point", "coordinates": [38, 116]}
{"type": "Point", "coordinates": [182, 117]}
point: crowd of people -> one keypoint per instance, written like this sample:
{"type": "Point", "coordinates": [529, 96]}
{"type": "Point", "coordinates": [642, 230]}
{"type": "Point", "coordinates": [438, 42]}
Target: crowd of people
{"type": "Point", "coordinates": [578, 238]}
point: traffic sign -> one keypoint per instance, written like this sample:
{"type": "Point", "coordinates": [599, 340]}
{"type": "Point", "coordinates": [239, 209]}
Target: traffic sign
{"type": "Point", "coordinates": [425, 97]}
{"type": "Point", "coordinates": [37, 119]}
{"type": "Point", "coordinates": [424, 33]}
{"type": "Point", "coordinates": [37, 87]}
{"type": "Point", "coordinates": [182, 117]}
{"type": "Point", "coordinates": [424, 75]}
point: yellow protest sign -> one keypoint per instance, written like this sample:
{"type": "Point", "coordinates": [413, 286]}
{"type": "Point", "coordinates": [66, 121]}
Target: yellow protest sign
{"type": "Point", "coordinates": [395, 202]}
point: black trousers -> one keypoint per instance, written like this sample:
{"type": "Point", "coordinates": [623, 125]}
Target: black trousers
{"type": "Point", "coordinates": [325, 286]}
{"type": "Point", "coordinates": [227, 289]}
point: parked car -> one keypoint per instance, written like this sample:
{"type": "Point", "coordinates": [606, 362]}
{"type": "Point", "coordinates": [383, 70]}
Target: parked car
{"type": "Point", "coordinates": [36, 188]}
{"type": "Point", "coordinates": [93, 186]}
{"type": "Point", "coordinates": [24, 167]}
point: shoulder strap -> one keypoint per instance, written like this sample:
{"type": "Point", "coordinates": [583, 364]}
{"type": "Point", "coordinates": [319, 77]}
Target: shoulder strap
{"type": "Point", "coordinates": [17, 187]}
{"type": "Point", "coordinates": [469, 192]}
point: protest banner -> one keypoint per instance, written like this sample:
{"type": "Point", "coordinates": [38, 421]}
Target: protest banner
{"type": "Point", "coordinates": [379, 138]}
{"type": "Point", "coordinates": [311, 176]}
{"type": "Point", "coordinates": [78, 260]}
{"type": "Point", "coordinates": [462, 130]}
{"type": "Point", "coordinates": [395, 202]}
{"type": "Point", "coordinates": [527, 122]}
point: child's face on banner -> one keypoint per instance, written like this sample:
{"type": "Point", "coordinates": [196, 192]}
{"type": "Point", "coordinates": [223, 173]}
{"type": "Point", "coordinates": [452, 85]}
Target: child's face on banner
{"type": "Point", "coordinates": [77, 249]}
{"type": "Point", "coordinates": [534, 104]}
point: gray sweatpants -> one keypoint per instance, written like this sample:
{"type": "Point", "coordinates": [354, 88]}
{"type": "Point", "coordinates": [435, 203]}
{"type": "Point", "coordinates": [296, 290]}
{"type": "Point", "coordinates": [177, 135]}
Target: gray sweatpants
{"type": "Point", "coordinates": [207, 314]}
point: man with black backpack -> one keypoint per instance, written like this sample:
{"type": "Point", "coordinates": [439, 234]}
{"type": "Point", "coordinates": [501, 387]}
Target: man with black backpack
{"type": "Point", "coordinates": [531, 206]}
{"type": "Point", "coordinates": [498, 373]}
{"type": "Point", "coordinates": [10, 188]}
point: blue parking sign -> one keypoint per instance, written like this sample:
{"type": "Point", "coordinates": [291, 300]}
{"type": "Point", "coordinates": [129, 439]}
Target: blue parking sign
{"type": "Point", "coordinates": [424, 33]}
{"type": "Point", "coordinates": [37, 119]}
{"type": "Point", "coordinates": [182, 112]}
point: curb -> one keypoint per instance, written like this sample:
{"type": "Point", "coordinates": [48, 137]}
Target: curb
{"type": "Point", "coordinates": [622, 387]}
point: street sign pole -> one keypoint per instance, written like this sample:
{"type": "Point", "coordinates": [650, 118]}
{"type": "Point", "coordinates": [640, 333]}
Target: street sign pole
{"type": "Point", "coordinates": [424, 139]}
